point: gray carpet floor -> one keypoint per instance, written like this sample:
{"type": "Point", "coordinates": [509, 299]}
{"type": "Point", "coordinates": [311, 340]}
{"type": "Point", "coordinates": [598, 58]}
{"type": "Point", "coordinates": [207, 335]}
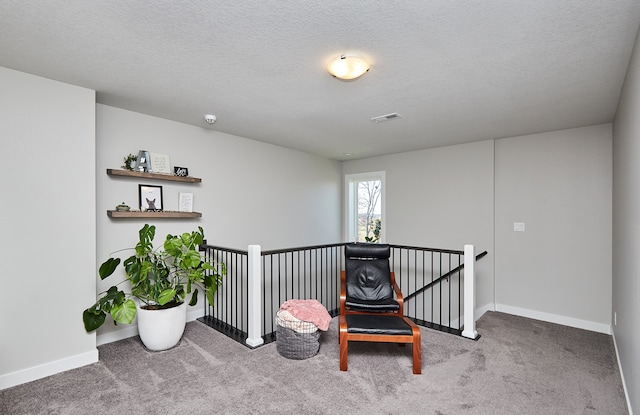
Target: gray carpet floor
{"type": "Point", "coordinates": [518, 366]}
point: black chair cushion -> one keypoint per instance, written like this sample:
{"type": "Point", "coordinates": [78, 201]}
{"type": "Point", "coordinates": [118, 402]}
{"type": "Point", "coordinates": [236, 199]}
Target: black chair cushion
{"type": "Point", "coordinates": [368, 324]}
{"type": "Point", "coordinates": [368, 279]}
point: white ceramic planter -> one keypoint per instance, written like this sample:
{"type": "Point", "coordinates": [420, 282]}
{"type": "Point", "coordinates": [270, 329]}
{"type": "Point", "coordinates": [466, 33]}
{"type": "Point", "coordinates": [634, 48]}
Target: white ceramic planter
{"type": "Point", "coordinates": [161, 329]}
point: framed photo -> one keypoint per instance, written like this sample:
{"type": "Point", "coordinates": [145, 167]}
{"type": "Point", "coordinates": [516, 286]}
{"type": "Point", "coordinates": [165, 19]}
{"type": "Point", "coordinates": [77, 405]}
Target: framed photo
{"type": "Point", "coordinates": [186, 202]}
{"type": "Point", "coordinates": [159, 163]}
{"type": "Point", "coordinates": [150, 197]}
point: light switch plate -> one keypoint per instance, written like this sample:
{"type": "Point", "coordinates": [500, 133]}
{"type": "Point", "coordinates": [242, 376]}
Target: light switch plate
{"type": "Point", "coordinates": [518, 226]}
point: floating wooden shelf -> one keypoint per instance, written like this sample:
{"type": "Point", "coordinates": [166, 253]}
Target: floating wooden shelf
{"type": "Point", "coordinates": [156, 176]}
{"type": "Point", "coordinates": [155, 215]}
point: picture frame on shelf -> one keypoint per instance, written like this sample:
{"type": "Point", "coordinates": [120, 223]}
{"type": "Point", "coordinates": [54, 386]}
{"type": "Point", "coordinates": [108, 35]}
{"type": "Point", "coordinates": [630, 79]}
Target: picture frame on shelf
{"type": "Point", "coordinates": [185, 203]}
{"type": "Point", "coordinates": [180, 171]}
{"type": "Point", "coordinates": [150, 198]}
{"type": "Point", "coordinates": [159, 163]}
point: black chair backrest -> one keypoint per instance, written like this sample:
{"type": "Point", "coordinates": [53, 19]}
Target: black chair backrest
{"type": "Point", "coordinates": [368, 277]}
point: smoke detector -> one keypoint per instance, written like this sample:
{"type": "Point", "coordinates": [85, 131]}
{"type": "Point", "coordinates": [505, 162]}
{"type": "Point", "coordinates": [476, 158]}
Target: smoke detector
{"type": "Point", "coordinates": [210, 119]}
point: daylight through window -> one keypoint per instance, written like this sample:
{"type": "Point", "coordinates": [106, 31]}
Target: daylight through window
{"type": "Point", "coordinates": [365, 207]}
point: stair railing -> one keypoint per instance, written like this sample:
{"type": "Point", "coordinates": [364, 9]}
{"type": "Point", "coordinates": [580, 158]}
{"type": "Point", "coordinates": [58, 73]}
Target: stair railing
{"type": "Point", "coordinates": [258, 282]}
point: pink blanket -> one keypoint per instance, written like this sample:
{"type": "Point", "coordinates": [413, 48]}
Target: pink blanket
{"type": "Point", "coordinates": [308, 310]}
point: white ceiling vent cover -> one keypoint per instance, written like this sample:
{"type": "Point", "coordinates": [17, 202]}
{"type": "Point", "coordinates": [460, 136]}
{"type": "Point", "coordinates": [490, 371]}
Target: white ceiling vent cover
{"type": "Point", "coordinates": [386, 117]}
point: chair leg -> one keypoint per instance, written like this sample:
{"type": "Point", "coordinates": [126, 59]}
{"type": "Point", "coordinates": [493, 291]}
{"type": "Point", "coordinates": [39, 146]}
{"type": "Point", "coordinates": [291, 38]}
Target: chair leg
{"type": "Point", "coordinates": [344, 350]}
{"type": "Point", "coordinates": [417, 357]}
{"type": "Point", "coordinates": [344, 343]}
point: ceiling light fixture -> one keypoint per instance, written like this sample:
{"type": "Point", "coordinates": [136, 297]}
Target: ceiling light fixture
{"type": "Point", "coordinates": [348, 67]}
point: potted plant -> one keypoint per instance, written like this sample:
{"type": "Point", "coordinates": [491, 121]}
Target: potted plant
{"type": "Point", "coordinates": [160, 280]}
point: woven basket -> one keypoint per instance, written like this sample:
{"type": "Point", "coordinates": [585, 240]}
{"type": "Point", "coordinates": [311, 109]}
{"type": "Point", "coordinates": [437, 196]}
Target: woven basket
{"type": "Point", "coordinates": [294, 345]}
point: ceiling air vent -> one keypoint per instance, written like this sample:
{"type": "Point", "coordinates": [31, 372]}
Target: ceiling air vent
{"type": "Point", "coordinates": [386, 117]}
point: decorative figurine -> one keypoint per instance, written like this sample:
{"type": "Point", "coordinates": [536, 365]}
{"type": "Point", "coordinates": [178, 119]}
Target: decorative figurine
{"type": "Point", "coordinates": [122, 207]}
{"type": "Point", "coordinates": [142, 164]}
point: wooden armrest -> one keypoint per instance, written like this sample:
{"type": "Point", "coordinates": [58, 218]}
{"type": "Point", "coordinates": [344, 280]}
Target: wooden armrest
{"type": "Point", "coordinates": [343, 292]}
{"type": "Point", "coordinates": [399, 296]}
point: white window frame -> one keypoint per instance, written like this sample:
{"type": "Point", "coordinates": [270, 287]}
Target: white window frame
{"type": "Point", "coordinates": [351, 207]}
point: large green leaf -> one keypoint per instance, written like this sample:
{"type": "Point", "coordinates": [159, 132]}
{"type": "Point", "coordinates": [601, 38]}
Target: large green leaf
{"type": "Point", "coordinates": [191, 259]}
{"type": "Point", "coordinates": [212, 280]}
{"type": "Point", "coordinates": [210, 293]}
{"type": "Point", "coordinates": [112, 298]}
{"type": "Point", "coordinates": [166, 296]}
{"type": "Point", "coordinates": [134, 270]}
{"type": "Point", "coordinates": [173, 245]}
{"type": "Point", "coordinates": [124, 313]}
{"type": "Point", "coordinates": [194, 298]}
{"type": "Point", "coordinates": [108, 267]}
{"type": "Point", "coordinates": [92, 319]}
{"type": "Point", "coordinates": [199, 236]}
{"type": "Point", "coordinates": [145, 245]}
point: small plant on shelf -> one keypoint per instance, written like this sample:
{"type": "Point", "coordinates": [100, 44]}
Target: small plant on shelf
{"type": "Point", "coordinates": [128, 162]}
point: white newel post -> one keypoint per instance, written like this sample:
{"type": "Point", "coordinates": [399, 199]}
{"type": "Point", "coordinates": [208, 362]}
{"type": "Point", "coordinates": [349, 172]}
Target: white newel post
{"type": "Point", "coordinates": [469, 293]}
{"type": "Point", "coordinates": [254, 283]}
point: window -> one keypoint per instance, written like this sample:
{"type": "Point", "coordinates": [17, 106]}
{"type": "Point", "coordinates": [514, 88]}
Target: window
{"type": "Point", "coordinates": [364, 207]}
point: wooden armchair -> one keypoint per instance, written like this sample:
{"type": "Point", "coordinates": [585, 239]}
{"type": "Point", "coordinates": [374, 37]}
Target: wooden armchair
{"type": "Point", "coordinates": [371, 303]}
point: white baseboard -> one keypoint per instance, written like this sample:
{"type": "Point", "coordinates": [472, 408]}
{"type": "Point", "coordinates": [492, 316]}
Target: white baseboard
{"type": "Point", "coordinates": [47, 369]}
{"type": "Point", "coordinates": [124, 332]}
{"type": "Point", "coordinates": [477, 313]}
{"type": "Point", "coordinates": [51, 368]}
{"type": "Point", "coordinates": [624, 384]}
{"type": "Point", "coordinates": [195, 314]}
{"type": "Point", "coordinates": [555, 318]}
{"type": "Point", "coordinates": [132, 330]}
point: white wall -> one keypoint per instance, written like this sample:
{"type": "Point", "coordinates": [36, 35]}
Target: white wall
{"type": "Point", "coordinates": [626, 229]}
{"type": "Point", "coordinates": [251, 192]}
{"type": "Point", "coordinates": [47, 182]}
{"type": "Point", "coordinates": [440, 198]}
{"type": "Point", "coordinates": [559, 185]}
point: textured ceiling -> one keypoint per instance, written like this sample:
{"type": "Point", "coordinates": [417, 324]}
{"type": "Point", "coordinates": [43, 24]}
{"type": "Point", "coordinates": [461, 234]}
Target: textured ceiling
{"type": "Point", "coordinates": [456, 71]}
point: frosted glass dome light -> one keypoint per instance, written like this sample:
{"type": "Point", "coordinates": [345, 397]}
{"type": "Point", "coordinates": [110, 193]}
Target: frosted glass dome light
{"type": "Point", "coordinates": [348, 67]}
